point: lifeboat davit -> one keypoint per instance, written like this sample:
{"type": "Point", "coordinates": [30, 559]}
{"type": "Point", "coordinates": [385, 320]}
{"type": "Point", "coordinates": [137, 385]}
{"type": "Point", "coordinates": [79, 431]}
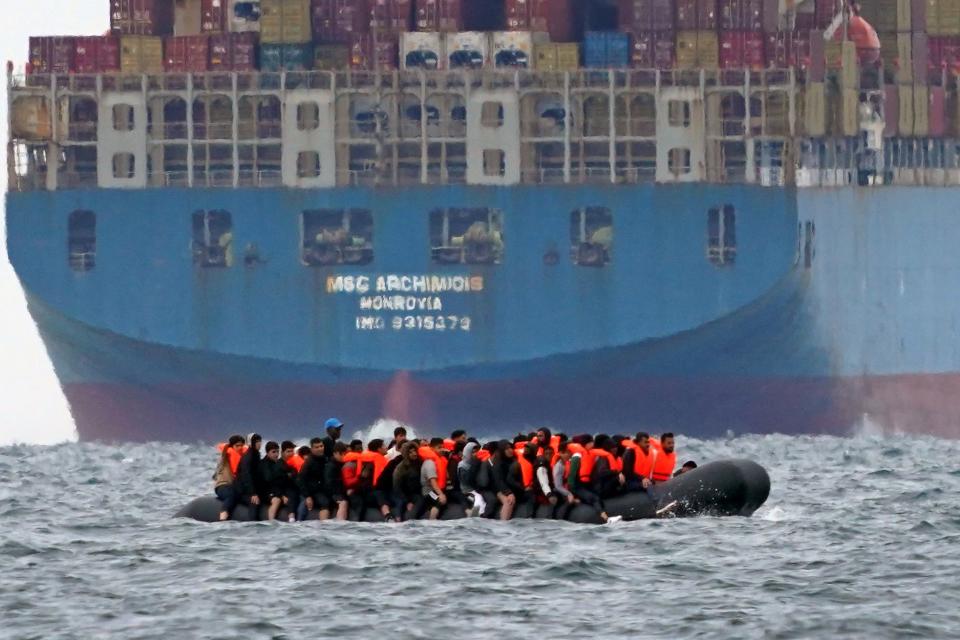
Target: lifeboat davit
{"type": "Point", "coordinates": [721, 488]}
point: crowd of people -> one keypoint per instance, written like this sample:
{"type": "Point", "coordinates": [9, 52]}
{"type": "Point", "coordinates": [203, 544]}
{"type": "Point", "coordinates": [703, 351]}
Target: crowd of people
{"type": "Point", "coordinates": [409, 479]}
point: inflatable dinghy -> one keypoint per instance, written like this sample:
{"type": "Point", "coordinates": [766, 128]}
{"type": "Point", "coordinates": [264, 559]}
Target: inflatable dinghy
{"type": "Point", "coordinates": [722, 488]}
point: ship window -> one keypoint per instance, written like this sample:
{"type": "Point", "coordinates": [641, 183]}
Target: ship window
{"type": "Point", "coordinates": [212, 239]}
{"type": "Point", "coordinates": [124, 165]}
{"type": "Point", "coordinates": [82, 240]}
{"type": "Point", "coordinates": [466, 236]}
{"type": "Point", "coordinates": [308, 164]}
{"type": "Point", "coordinates": [591, 236]}
{"type": "Point", "coordinates": [336, 236]}
{"type": "Point", "coordinates": [678, 113]}
{"type": "Point", "coordinates": [493, 163]}
{"type": "Point", "coordinates": [308, 116]}
{"type": "Point", "coordinates": [123, 117]}
{"type": "Point", "coordinates": [722, 235]}
{"type": "Point", "coordinates": [679, 161]}
{"type": "Point", "coordinates": [491, 114]}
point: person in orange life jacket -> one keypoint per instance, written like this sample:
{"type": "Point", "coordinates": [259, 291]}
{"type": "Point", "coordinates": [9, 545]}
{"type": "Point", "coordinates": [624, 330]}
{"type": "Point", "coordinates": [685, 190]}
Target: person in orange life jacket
{"type": "Point", "coordinates": [399, 437]}
{"type": "Point", "coordinates": [311, 482]}
{"type": "Point", "coordinates": [520, 476]}
{"type": "Point", "coordinates": [288, 453]}
{"type": "Point", "coordinates": [665, 458]}
{"type": "Point", "coordinates": [225, 476]}
{"type": "Point", "coordinates": [580, 475]}
{"type": "Point", "coordinates": [351, 476]}
{"type": "Point", "coordinates": [407, 496]}
{"type": "Point", "coordinates": [499, 469]}
{"type": "Point", "coordinates": [276, 480]}
{"type": "Point", "coordinates": [433, 477]}
{"type": "Point", "coordinates": [333, 483]}
{"type": "Point", "coordinates": [560, 465]}
{"type": "Point", "coordinates": [249, 482]}
{"type": "Point", "coordinates": [333, 428]}
{"type": "Point", "coordinates": [292, 465]}
{"type": "Point", "coordinates": [689, 465]}
{"type": "Point", "coordinates": [372, 464]}
{"type": "Point", "coordinates": [638, 462]}
{"type": "Point", "coordinates": [607, 479]}
{"type": "Point", "coordinates": [545, 492]}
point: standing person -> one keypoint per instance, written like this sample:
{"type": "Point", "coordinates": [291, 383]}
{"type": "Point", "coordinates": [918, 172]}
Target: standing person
{"type": "Point", "coordinates": [224, 478]}
{"type": "Point", "coordinates": [311, 482]}
{"type": "Point", "coordinates": [407, 495]}
{"type": "Point", "coordinates": [500, 467]}
{"type": "Point", "coordinates": [334, 429]}
{"type": "Point", "coordinates": [372, 464]}
{"type": "Point", "coordinates": [433, 477]}
{"type": "Point", "coordinates": [333, 481]}
{"type": "Point", "coordinates": [249, 483]}
{"type": "Point", "coordinates": [665, 458]}
{"type": "Point", "coordinates": [275, 479]}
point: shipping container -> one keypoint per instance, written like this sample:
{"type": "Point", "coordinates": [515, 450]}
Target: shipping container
{"type": "Point", "coordinates": [337, 21]}
{"type": "Point", "coordinates": [904, 15]}
{"type": "Point", "coordinates": [438, 15]}
{"type": "Point", "coordinates": [653, 50]}
{"type": "Point", "coordinates": [891, 110]}
{"type": "Point", "coordinates": [921, 110]}
{"type": "Point", "coordinates": [395, 16]}
{"type": "Point", "coordinates": [514, 48]}
{"type": "Point", "coordinates": [920, 55]}
{"type": "Point", "coordinates": [376, 51]}
{"type": "Point", "coordinates": [233, 52]}
{"type": "Point", "coordinates": [849, 112]}
{"type": "Point", "coordinates": [881, 14]}
{"type": "Point", "coordinates": [97, 54]}
{"type": "Point", "coordinates": [243, 16]}
{"type": "Point", "coordinates": [285, 21]}
{"type": "Point", "coordinates": [331, 57]}
{"type": "Point", "coordinates": [823, 13]}
{"type": "Point", "coordinates": [918, 16]}
{"type": "Point", "coordinates": [52, 54]}
{"type": "Point", "coordinates": [286, 56]}
{"type": "Point", "coordinates": [187, 17]}
{"type": "Point", "coordinates": [141, 17]}
{"type": "Point", "coordinates": [937, 116]}
{"type": "Point", "coordinates": [905, 112]}
{"type": "Point", "coordinates": [30, 119]}
{"type": "Point", "coordinates": [556, 56]}
{"type": "Point", "coordinates": [642, 16]}
{"type": "Point", "coordinates": [740, 15]}
{"type": "Point", "coordinates": [606, 49]}
{"type": "Point", "coordinates": [696, 15]}
{"type": "Point", "coordinates": [902, 57]}
{"type": "Point", "coordinates": [815, 109]}
{"type": "Point", "coordinates": [141, 54]}
{"type": "Point", "coordinates": [943, 17]}
{"type": "Point", "coordinates": [421, 50]}
{"type": "Point", "coordinates": [944, 52]}
{"type": "Point", "coordinates": [786, 49]}
{"type": "Point", "coordinates": [697, 50]}
{"type": "Point", "coordinates": [562, 19]}
{"type": "Point", "coordinates": [773, 21]}
{"type": "Point", "coordinates": [742, 50]}
{"type": "Point", "coordinates": [186, 54]}
{"type": "Point", "coordinates": [213, 16]}
{"type": "Point", "coordinates": [467, 49]}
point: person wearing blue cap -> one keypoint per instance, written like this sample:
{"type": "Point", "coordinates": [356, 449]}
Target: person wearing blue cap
{"type": "Point", "coordinates": [334, 428]}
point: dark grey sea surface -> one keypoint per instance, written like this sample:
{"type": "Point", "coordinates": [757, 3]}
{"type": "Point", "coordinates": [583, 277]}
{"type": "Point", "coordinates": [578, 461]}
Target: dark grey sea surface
{"type": "Point", "coordinates": [860, 539]}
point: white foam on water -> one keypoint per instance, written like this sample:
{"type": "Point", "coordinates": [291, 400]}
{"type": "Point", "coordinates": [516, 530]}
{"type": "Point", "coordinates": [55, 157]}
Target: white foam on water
{"type": "Point", "coordinates": [775, 514]}
{"type": "Point", "coordinates": [383, 429]}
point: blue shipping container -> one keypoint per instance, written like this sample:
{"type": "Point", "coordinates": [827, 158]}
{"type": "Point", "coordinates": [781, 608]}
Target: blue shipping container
{"type": "Point", "coordinates": [286, 57]}
{"type": "Point", "coordinates": [606, 49]}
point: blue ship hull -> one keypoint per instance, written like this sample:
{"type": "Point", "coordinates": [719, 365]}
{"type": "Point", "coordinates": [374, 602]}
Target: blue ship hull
{"type": "Point", "coordinates": [815, 327]}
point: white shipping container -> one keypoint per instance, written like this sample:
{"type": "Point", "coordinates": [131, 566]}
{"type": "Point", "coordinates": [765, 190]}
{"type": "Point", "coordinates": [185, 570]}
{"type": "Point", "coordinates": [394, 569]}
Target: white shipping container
{"type": "Point", "coordinates": [243, 15]}
{"type": "Point", "coordinates": [421, 50]}
{"type": "Point", "coordinates": [515, 48]}
{"type": "Point", "coordinates": [467, 49]}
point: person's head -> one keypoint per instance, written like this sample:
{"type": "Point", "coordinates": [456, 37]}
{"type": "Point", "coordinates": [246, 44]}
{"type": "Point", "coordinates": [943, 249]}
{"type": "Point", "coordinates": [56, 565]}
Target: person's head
{"type": "Point", "coordinates": [334, 428]}
{"type": "Point", "coordinates": [517, 439]}
{"type": "Point", "coordinates": [459, 446]}
{"type": "Point", "coordinates": [303, 452]}
{"type": "Point", "coordinates": [409, 452]}
{"type": "Point", "coordinates": [601, 441]}
{"type": "Point", "coordinates": [643, 441]}
{"type": "Point", "coordinates": [235, 442]}
{"type": "Point", "coordinates": [585, 440]}
{"type": "Point", "coordinates": [339, 450]}
{"type": "Point", "coordinates": [273, 450]}
{"type": "Point", "coordinates": [491, 447]}
{"type": "Point", "coordinates": [548, 453]}
{"type": "Point", "coordinates": [458, 435]}
{"type": "Point", "coordinates": [543, 435]}
{"type": "Point", "coordinates": [377, 446]}
{"type": "Point", "coordinates": [287, 449]}
{"type": "Point", "coordinates": [563, 451]}
{"type": "Point", "coordinates": [255, 440]}
{"type": "Point", "coordinates": [316, 446]}
{"type": "Point", "coordinates": [667, 442]}
{"type": "Point", "coordinates": [399, 434]}
{"type": "Point", "coordinates": [436, 444]}
{"type": "Point", "coordinates": [689, 465]}
{"type": "Point", "coordinates": [356, 446]}
{"type": "Point", "coordinates": [530, 451]}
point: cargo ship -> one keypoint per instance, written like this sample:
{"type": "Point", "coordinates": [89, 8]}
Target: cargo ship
{"type": "Point", "coordinates": [692, 215]}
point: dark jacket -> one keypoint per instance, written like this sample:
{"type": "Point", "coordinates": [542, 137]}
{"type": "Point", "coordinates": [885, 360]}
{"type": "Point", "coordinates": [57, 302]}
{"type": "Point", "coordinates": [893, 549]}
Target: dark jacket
{"type": "Point", "coordinates": [514, 478]}
{"type": "Point", "coordinates": [328, 443]}
{"type": "Point", "coordinates": [276, 481]}
{"type": "Point", "coordinates": [500, 470]}
{"type": "Point", "coordinates": [311, 478]}
{"type": "Point", "coordinates": [406, 481]}
{"type": "Point", "coordinates": [249, 480]}
{"type": "Point", "coordinates": [333, 480]}
{"type": "Point", "coordinates": [385, 484]}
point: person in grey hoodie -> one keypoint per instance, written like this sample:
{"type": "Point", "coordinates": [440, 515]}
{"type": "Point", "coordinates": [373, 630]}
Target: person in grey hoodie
{"type": "Point", "coordinates": [467, 474]}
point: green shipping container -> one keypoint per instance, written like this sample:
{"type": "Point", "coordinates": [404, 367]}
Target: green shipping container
{"type": "Point", "coordinates": [698, 50]}
{"type": "Point", "coordinates": [556, 57]}
{"type": "Point", "coordinates": [331, 57]}
{"type": "Point", "coordinates": [286, 57]}
{"type": "Point", "coordinates": [141, 54]}
{"type": "Point", "coordinates": [285, 21]}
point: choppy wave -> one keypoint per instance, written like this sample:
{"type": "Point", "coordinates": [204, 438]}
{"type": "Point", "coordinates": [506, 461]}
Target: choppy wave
{"type": "Point", "coordinates": [859, 539]}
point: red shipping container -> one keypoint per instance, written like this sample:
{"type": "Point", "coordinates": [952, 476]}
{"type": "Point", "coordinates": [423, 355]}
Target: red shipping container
{"type": "Point", "coordinates": [741, 49]}
{"type": "Point", "coordinates": [937, 113]}
{"type": "Point", "coordinates": [141, 17]}
{"type": "Point", "coordinates": [97, 54]}
{"type": "Point", "coordinates": [186, 54]}
{"type": "Point", "coordinates": [740, 15]}
{"type": "Point", "coordinates": [213, 16]}
{"type": "Point", "coordinates": [559, 18]}
{"type": "Point", "coordinates": [645, 15]}
{"type": "Point", "coordinates": [697, 15]}
{"type": "Point", "coordinates": [439, 15]}
{"type": "Point", "coordinates": [944, 51]}
{"type": "Point", "coordinates": [653, 50]}
{"type": "Point", "coordinates": [52, 54]}
{"type": "Point", "coordinates": [401, 15]}
{"type": "Point", "coordinates": [233, 52]}
{"type": "Point", "coordinates": [824, 12]}
{"type": "Point", "coordinates": [339, 21]}
{"type": "Point", "coordinates": [786, 49]}
{"type": "Point", "coordinates": [891, 109]}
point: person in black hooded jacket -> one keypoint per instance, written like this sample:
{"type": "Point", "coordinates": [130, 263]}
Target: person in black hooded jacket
{"type": "Point", "coordinates": [311, 482]}
{"type": "Point", "coordinates": [249, 481]}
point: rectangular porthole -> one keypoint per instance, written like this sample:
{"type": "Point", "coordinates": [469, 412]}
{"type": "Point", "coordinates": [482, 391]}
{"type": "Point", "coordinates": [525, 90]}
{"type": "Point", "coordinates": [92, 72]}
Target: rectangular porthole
{"type": "Point", "coordinates": [308, 116]}
{"type": "Point", "coordinates": [591, 236]}
{"type": "Point", "coordinates": [336, 236]}
{"type": "Point", "coordinates": [212, 239]}
{"type": "Point", "coordinates": [491, 115]}
{"type": "Point", "coordinates": [679, 161]}
{"type": "Point", "coordinates": [308, 164]}
{"type": "Point", "coordinates": [466, 236]}
{"type": "Point", "coordinates": [123, 118]}
{"type": "Point", "coordinates": [82, 240]}
{"type": "Point", "coordinates": [124, 166]}
{"type": "Point", "coordinates": [494, 163]}
{"type": "Point", "coordinates": [678, 113]}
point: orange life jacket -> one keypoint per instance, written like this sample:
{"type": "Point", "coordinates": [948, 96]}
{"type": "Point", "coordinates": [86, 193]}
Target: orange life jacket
{"type": "Point", "coordinates": [526, 469]}
{"type": "Point", "coordinates": [482, 455]}
{"type": "Point", "coordinates": [377, 459]}
{"type": "Point", "coordinates": [233, 456]}
{"type": "Point", "coordinates": [642, 462]}
{"type": "Point", "coordinates": [606, 455]}
{"type": "Point", "coordinates": [428, 453]}
{"type": "Point", "coordinates": [449, 444]}
{"type": "Point", "coordinates": [351, 472]}
{"type": "Point", "coordinates": [295, 462]}
{"type": "Point", "coordinates": [663, 463]}
{"type": "Point", "coordinates": [586, 461]}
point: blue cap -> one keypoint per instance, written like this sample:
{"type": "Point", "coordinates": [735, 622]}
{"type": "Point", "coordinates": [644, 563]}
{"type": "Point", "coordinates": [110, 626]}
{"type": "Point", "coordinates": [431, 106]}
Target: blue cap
{"type": "Point", "coordinates": [333, 423]}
